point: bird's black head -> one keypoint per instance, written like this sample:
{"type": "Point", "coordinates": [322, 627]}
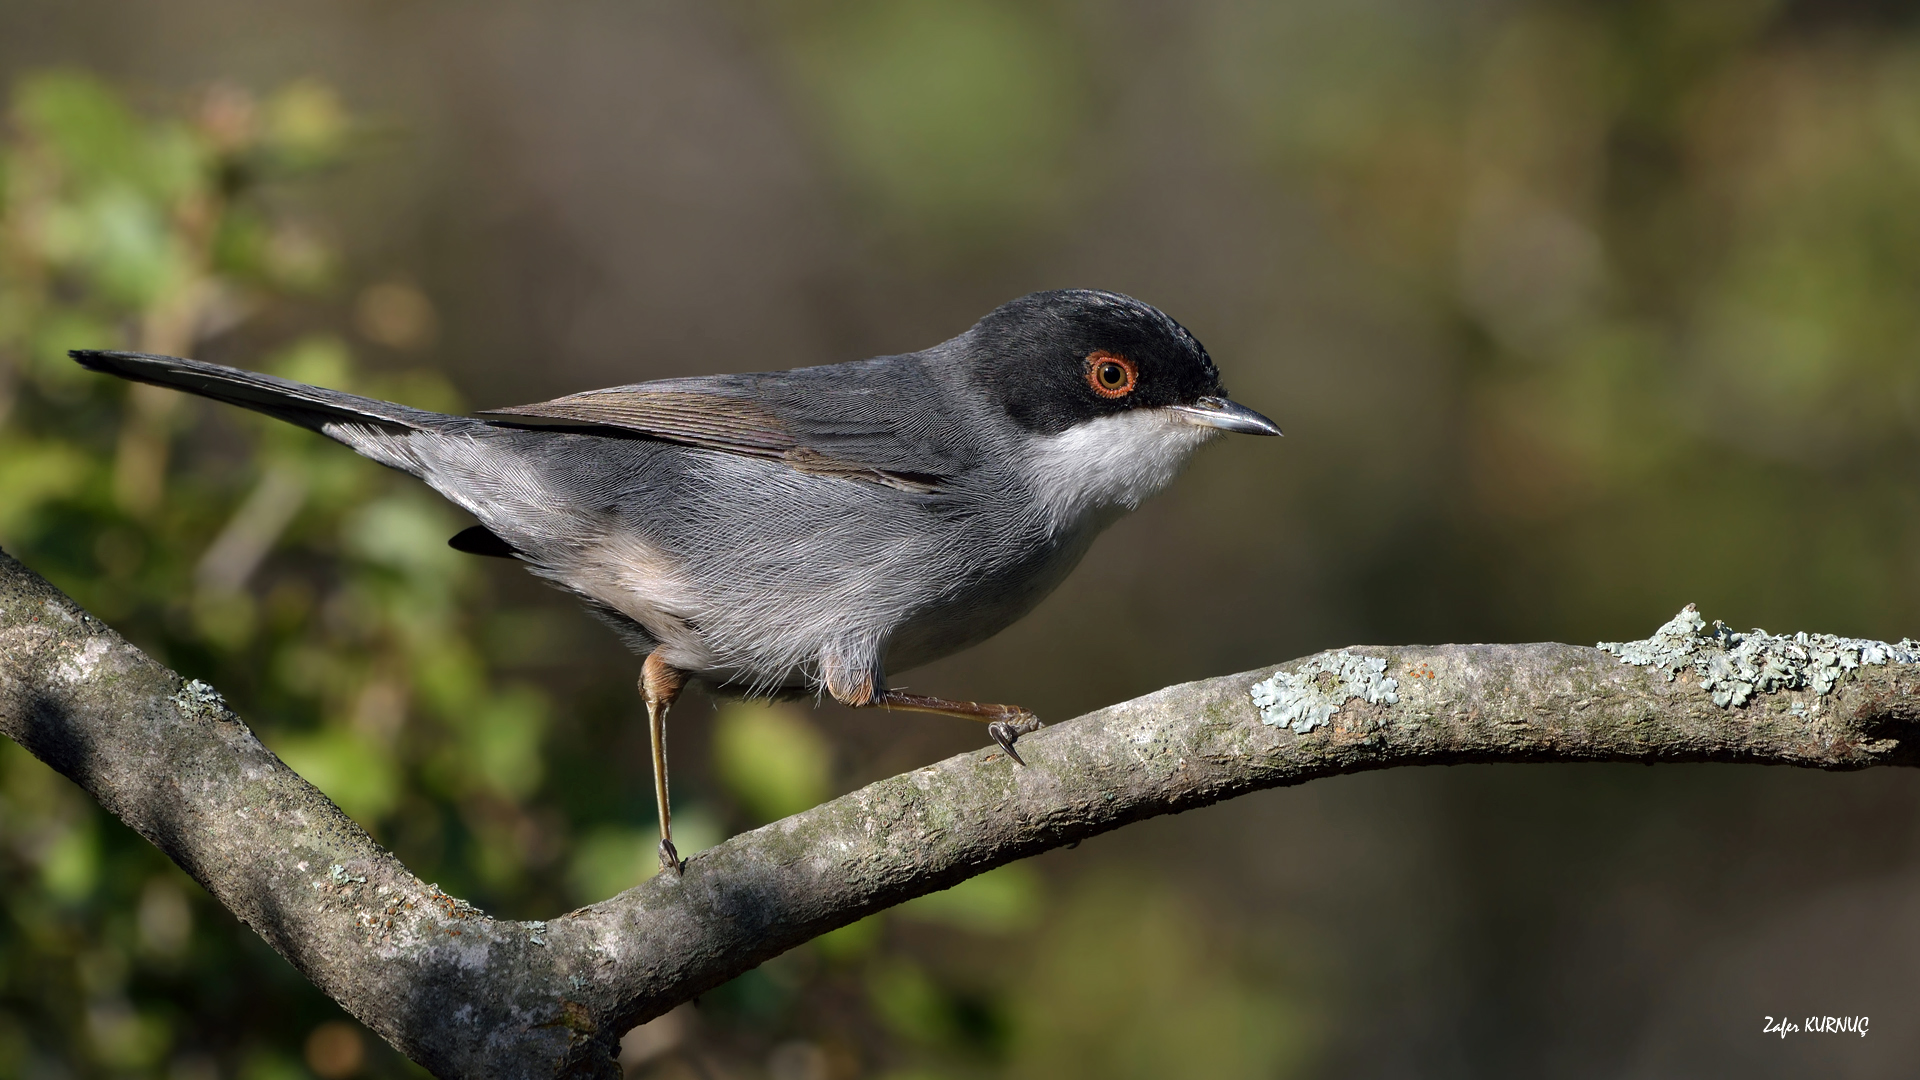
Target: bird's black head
{"type": "Point", "coordinates": [1057, 359]}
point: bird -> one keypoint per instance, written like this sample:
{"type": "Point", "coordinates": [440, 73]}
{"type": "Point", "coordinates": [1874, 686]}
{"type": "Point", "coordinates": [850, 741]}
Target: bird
{"type": "Point", "coordinates": [812, 530]}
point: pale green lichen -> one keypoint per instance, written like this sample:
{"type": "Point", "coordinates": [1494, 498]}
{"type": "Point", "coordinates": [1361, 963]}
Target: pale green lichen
{"type": "Point", "coordinates": [1733, 666]}
{"type": "Point", "coordinates": [1308, 698]}
{"type": "Point", "coordinates": [198, 697]}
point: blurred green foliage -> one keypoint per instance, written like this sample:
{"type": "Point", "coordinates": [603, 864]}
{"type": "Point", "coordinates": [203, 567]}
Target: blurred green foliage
{"type": "Point", "coordinates": [772, 757]}
{"type": "Point", "coordinates": [306, 583]}
{"type": "Point", "coordinates": [1674, 247]}
{"type": "Point", "coordinates": [956, 119]}
{"type": "Point", "coordinates": [1128, 982]}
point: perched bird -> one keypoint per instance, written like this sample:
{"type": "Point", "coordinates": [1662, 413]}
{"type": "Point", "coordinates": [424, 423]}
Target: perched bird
{"type": "Point", "coordinates": [814, 529]}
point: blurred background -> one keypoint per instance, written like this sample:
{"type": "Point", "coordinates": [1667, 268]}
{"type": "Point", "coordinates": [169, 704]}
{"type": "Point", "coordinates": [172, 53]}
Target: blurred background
{"type": "Point", "coordinates": [1574, 313]}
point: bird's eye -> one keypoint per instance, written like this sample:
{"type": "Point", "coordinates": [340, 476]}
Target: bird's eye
{"type": "Point", "coordinates": [1111, 376]}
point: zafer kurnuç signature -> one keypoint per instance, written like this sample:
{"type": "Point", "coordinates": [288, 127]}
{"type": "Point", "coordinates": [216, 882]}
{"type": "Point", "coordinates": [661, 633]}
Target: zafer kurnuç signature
{"type": "Point", "coordinates": [1817, 1025]}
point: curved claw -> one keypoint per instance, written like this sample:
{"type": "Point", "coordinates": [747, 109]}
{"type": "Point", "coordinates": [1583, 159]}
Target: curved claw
{"type": "Point", "coordinates": [670, 860]}
{"type": "Point", "coordinates": [1006, 732]}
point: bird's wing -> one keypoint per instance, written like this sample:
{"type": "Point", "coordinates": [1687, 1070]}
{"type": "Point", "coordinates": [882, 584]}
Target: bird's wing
{"type": "Point", "coordinates": [683, 415]}
{"type": "Point", "coordinates": [855, 421]}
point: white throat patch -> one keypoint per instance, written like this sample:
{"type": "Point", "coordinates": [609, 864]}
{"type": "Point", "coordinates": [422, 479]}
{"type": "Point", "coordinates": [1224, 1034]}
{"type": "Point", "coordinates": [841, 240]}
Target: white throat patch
{"type": "Point", "coordinates": [1111, 463]}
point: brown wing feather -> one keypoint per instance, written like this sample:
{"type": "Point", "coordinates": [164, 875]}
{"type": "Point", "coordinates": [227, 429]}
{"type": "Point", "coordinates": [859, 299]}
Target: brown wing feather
{"type": "Point", "coordinates": [710, 420]}
{"type": "Point", "coordinates": [713, 421]}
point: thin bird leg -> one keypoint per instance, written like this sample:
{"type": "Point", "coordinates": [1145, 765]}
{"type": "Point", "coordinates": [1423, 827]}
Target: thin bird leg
{"type": "Point", "coordinates": [660, 684]}
{"type": "Point", "coordinates": [1005, 723]}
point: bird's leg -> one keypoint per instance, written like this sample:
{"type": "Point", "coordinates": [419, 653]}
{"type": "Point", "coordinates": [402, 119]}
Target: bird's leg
{"type": "Point", "coordinates": [660, 684]}
{"type": "Point", "coordinates": [1005, 723]}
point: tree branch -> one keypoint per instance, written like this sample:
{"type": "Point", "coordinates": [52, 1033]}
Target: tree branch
{"type": "Point", "coordinates": [467, 995]}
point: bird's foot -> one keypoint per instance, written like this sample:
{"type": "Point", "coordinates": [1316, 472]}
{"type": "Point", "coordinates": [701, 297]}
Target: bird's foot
{"type": "Point", "coordinates": [670, 861]}
{"type": "Point", "coordinates": [1005, 723]}
{"type": "Point", "coordinates": [1007, 730]}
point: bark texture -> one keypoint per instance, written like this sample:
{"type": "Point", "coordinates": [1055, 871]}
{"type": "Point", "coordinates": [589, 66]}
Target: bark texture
{"type": "Point", "coordinates": [471, 996]}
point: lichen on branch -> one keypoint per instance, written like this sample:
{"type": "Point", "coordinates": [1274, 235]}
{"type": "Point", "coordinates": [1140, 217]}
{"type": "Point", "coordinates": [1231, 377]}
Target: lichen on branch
{"type": "Point", "coordinates": [1307, 698]}
{"type": "Point", "coordinates": [1734, 666]}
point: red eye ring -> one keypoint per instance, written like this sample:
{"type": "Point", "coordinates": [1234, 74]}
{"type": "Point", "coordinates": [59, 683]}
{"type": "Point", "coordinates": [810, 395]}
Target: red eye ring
{"type": "Point", "coordinates": [1110, 375]}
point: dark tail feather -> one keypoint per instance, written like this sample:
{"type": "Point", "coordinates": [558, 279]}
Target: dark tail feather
{"type": "Point", "coordinates": [297, 403]}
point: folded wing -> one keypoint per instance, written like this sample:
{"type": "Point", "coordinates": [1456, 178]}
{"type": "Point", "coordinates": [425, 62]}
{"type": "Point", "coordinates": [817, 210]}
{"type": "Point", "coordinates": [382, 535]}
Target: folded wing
{"type": "Point", "coordinates": [873, 421]}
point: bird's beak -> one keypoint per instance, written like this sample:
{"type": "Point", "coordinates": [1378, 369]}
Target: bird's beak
{"type": "Point", "coordinates": [1218, 412]}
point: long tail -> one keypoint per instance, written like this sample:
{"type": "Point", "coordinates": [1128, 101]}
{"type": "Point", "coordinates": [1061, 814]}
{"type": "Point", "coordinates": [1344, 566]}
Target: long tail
{"type": "Point", "coordinates": [297, 403]}
{"type": "Point", "coordinates": [471, 462]}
